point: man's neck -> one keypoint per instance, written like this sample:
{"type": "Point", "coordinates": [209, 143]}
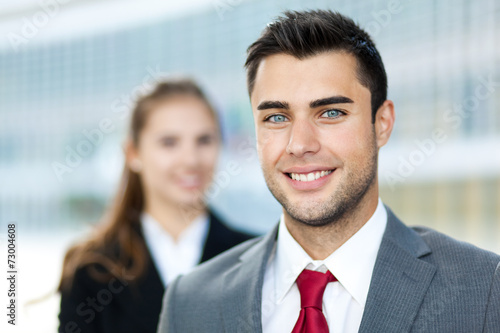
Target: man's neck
{"type": "Point", "coordinates": [319, 242]}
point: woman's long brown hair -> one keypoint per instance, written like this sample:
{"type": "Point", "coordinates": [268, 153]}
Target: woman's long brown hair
{"type": "Point", "coordinates": [115, 244]}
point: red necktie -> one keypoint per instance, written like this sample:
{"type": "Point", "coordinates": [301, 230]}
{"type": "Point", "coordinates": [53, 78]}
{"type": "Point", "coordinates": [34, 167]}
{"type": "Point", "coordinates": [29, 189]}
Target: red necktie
{"type": "Point", "coordinates": [312, 285]}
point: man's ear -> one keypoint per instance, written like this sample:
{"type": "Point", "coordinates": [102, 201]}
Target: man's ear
{"type": "Point", "coordinates": [384, 122]}
{"type": "Point", "coordinates": [132, 156]}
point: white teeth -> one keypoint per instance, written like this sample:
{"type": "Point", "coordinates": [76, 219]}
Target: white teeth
{"type": "Point", "coordinates": [309, 176]}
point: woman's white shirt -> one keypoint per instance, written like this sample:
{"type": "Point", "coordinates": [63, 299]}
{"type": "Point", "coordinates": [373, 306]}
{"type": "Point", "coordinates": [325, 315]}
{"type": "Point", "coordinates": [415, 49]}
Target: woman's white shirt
{"type": "Point", "coordinates": [174, 258]}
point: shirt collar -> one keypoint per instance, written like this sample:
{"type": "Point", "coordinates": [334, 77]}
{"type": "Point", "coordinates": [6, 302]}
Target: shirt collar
{"type": "Point", "coordinates": [194, 233]}
{"type": "Point", "coordinates": [352, 263]}
{"type": "Point", "coordinates": [171, 258]}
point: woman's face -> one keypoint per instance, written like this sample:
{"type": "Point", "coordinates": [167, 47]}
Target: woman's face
{"type": "Point", "coordinates": [177, 151]}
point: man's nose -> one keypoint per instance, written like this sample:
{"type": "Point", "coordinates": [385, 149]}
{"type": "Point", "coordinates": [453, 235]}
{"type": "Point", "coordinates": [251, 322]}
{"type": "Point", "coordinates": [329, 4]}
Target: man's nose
{"type": "Point", "coordinates": [303, 139]}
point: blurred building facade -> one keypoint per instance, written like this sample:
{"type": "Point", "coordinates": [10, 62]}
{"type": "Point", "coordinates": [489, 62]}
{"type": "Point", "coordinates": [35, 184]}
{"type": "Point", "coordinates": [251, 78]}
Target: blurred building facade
{"type": "Point", "coordinates": [64, 108]}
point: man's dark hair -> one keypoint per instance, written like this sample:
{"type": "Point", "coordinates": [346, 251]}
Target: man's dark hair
{"type": "Point", "coordinates": [308, 33]}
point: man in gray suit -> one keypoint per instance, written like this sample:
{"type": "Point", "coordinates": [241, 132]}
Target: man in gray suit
{"type": "Point", "coordinates": [338, 260]}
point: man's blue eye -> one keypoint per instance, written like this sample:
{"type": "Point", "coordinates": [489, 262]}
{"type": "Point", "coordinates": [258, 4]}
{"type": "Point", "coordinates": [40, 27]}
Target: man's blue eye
{"type": "Point", "coordinates": [331, 114]}
{"type": "Point", "coordinates": [277, 118]}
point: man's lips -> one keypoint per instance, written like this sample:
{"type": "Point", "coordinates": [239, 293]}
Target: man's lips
{"type": "Point", "coordinates": [307, 169]}
{"type": "Point", "coordinates": [308, 178]}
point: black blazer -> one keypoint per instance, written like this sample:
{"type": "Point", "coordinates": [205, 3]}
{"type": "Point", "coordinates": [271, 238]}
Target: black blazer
{"type": "Point", "coordinates": [119, 306]}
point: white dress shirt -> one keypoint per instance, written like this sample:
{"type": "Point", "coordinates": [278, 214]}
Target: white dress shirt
{"type": "Point", "coordinates": [343, 301]}
{"type": "Point", "coordinates": [174, 258]}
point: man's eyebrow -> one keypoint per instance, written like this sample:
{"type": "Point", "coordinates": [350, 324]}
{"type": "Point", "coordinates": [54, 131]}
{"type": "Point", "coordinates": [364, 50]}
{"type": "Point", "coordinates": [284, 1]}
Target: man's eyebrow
{"type": "Point", "coordinates": [273, 105]}
{"type": "Point", "coordinates": [330, 100]}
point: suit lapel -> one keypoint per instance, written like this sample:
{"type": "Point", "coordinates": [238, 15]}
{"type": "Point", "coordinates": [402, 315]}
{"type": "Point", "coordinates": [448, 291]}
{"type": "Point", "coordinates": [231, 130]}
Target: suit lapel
{"type": "Point", "coordinates": [399, 282]}
{"type": "Point", "coordinates": [216, 238]}
{"type": "Point", "coordinates": [141, 301]}
{"type": "Point", "coordinates": [242, 288]}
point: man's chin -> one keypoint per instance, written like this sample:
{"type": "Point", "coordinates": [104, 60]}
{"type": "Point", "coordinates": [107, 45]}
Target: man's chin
{"type": "Point", "coordinates": [311, 215]}
{"type": "Point", "coordinates": [313, 221]}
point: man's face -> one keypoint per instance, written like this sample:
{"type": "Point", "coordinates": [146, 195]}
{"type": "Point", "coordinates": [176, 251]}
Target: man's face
{"type": "Point", "coordinates": [317, 144]}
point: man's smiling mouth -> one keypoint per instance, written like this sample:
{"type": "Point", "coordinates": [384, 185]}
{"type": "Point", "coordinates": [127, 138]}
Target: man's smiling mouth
{"type": "Point", "coordinates": [309, 177]}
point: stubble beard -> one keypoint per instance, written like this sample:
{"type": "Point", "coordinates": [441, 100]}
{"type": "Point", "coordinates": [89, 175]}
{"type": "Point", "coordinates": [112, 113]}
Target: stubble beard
{"type": "Point", "coordinates": [344, 201]}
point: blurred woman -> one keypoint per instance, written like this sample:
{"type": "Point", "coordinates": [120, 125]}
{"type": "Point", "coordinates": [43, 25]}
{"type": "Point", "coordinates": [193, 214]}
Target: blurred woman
{"type": "Point", "coordinates": [159, 226]}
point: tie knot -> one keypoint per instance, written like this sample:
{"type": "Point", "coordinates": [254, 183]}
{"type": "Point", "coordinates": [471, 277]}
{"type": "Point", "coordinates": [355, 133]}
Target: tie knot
{"type": "Point", "coordinates": [311, 286]}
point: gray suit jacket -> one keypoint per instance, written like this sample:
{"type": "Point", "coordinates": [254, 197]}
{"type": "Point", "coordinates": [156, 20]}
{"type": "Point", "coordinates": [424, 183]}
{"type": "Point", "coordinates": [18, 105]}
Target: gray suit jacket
{"type": "Point", "coordinates": [423, 281]}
